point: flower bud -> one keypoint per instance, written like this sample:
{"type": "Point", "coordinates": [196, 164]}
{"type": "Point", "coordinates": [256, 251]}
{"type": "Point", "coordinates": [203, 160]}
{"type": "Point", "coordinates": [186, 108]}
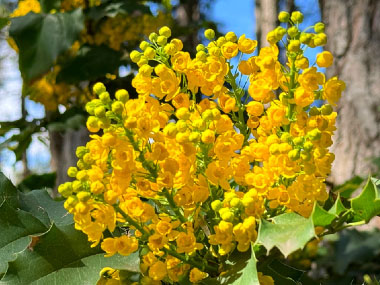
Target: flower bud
{"type": "Point", "coordinates": [162, 40]}
{"type": "Point", "coordinates": [294, 46]}
{"type": "Point", "coordinates": [297, 17]}
{"type": "Point", "coordinates": [153, 37]}
{"type": "Point", "coordinates": [81, 151]}
{"type": "Point", "coordinates": [149, 53]}
{"type": "Point", "coordinates": [135, 56]}
{"type": "Point", "coordinates": [98, 88]}
{"type": "Point", "coordinates": [200, 47]}
{"type": "Point", "coordinates": [122, 95]}
{"type": "Point", "coordinates": [231, 37]}
{"type": "Point", "coordinates": [294, 154]}
{"type": "Point", "coordinates": [305, 38]}
{"type": "Point", "coordinates": [117, 107]}
{"type": "Point", "coordinates": [100, 111]}
{"type": "Point", "coordinates": [83, 196]}
{"type": "Point", "coordinates": [144, 45]}
{"type": "Point", "coordinates": [216, 205]}
{"type": "Point", "coordinates": [165, 31]}
{"type": "Point", "coordinates": [319, 28]}
{"type": "Point", "coordinates": [283, 17]}
{"type": "Point", "coordinates": [293, 31]}
{"type": "Point", "coordinates": [72, 171]}
{"type": "Point", "coordinates": [210, 34]}
{"type": "Point", "coordinates": [326, 110]}
{"type": "Point", "coordinates": [105, 97]}
{"type": "Point", "coordinates": [182, 113]}
{"type": "Point", "coordinates": [314, 134]}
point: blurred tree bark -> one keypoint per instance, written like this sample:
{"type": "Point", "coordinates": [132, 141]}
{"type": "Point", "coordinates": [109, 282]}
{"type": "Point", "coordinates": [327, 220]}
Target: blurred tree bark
{"type": "Point", "coordinates": [353, 30]}
{"type": "Point", "coordinates": [62, 148]}
{"type": "Point", "coordinates": [266, 19]}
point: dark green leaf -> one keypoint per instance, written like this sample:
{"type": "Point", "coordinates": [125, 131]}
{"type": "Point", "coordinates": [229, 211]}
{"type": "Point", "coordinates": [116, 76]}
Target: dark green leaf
{"type": "Point", "coordinates": [8, 192]}
{"type": "Point", "coordinates": [42, 206]}
{"type": "Point", "coordinates": [288, 232]}
{"type": "Point", "coordinates": [367, 204]}
{"type": "Point", "coordinates": [41, 38]}
{"type": "Point", "coordinates": [90, 63]}
{"type": "Point", "coordinates": [48, 5]}
{"type": "Point", "coordinates": [113, 8]}
{"type": "Point", "coordinates": [64, 256]}
{"type": "Point", "coordinates": [38, 181]}
{"type": "Point", "coordinates": [241, 270]}
{"type": "Point", "coordinates": [354, 247]}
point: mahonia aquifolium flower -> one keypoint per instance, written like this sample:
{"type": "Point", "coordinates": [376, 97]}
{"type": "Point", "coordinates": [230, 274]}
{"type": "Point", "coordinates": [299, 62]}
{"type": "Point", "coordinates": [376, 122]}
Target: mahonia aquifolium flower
{"type": "Point", "coordinates": [191, 180]}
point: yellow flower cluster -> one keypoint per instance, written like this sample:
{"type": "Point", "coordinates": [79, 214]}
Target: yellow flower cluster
{"type": "Point", "coordinates": [26, 6]}
{"type": "Point", "coordinates": [191, 165]}
{"type": "Point", "coordinates": [113, 31]}
{"type": "Point", "coordinates": [118, 30]}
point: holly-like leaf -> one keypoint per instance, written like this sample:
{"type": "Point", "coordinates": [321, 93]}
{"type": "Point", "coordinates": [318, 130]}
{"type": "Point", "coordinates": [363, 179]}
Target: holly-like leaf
{"type": "Point", "coordinates": [39, 244]}
{"type": "Point", "coordinates": [42, 206]}
{"type": "Point", "coordinates": [41, 38]}
{"type": "Point", "coordinates": [367, 204]}
{"type": "Point", "coordinates": [288, 232]}
{"type": "Point", "coordinates": [321, 217]}
{"type": "Point", "coordinates": [338, 207]}
{"type": "Point", "coordinates": [241, 270]}
{"type": "Point", "coordinates": [64, 256]}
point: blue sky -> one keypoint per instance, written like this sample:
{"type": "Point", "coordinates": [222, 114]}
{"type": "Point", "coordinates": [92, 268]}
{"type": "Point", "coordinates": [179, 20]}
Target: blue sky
{"type": "Point", "coordinates": [237, 16]}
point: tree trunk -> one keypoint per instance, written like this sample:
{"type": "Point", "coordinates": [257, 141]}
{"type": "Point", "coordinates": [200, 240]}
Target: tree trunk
{"type": "Point", "coordinates": [266, 19]}
{"type": "Point", "coordinates": [62, 147]}
{"type": "Point", "coordinates": [353, 30]}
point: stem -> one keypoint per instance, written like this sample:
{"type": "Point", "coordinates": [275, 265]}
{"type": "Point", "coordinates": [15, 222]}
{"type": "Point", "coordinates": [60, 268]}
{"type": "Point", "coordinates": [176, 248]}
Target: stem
{"type": "Point", "coordinates": [130, 220]}
{"type": "Point", "coordinates": [192, 262]}
{"type": "Point", "coordinates": [173, 205]}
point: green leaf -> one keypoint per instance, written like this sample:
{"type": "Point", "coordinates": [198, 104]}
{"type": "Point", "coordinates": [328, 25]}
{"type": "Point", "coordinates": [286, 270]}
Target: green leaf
{"type": "Point", "coordinates": [41, 38]}
{"type": "Point", "coordinates": [241, 270]}
{"type": "Point", "coordinates": [64, 256]}
{"type": "Point", "coordinates": [39, 244]}
{"type": "Point", "coordinates": [367, 204]}
{"type": "Point", "coordinates": [16, 227]}
{"type": "Point", "coordinates": [8, 192]}
{"type": "Point", "coordinates": [321, 217]}
{"type": "Point", "coordinates": [38, 181]}
{"type": "Point", "coordinates": [282, 273]}
{"type": "Point", "coordinates": [91, 62]}
{"type": "Point", "coordinates": [347, 188]}
{"type": "Point", "coordinates": [42, 206]}
{"type": "Point", "coordinates": [48, 5]}
{"type": "Point", "coordinates": [356, 247]}
{"type": "Point", "coordinates": [338, 207]}
{"type": "Point", "coordinates": [288, 232]}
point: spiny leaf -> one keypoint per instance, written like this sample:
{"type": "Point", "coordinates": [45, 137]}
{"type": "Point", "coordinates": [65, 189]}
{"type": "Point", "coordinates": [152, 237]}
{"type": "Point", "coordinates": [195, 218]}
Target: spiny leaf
{"type": "Point", "coordinates": [367, 204]}
{"type": "Point", "coordinates": [288, 232]}
{"type": "Point", "coordinates": [321, 217]}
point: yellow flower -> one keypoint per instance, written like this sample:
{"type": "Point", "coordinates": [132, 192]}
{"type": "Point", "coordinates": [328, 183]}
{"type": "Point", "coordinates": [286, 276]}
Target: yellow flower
{"type": "Point", "coordinates": [196, 275]}
{"type": "Point", "coordinates": [325, 59]}
{"type": "Point", "coordinates": [246, 45]}
{"type": "Point", "coordinates": [332, 90]}
{"type": "Point", "coordinates": [158, 271]}
{"type": "Point", "coordinates": [230, 50]}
